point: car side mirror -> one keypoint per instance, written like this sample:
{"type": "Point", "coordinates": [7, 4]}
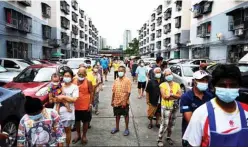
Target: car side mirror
{"type": "Point", "coordinates": [16, 66]}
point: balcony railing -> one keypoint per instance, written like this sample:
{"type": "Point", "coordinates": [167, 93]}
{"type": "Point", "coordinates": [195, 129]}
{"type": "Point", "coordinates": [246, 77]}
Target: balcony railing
{"type": "Point", "coordinates": [54, 42]}
{"type": "Point", "coordinates": [26, 3]}
{"type": "Point", "coordinates": [46, 10]}
{"type": "Point", "coordinates": [65, 7]}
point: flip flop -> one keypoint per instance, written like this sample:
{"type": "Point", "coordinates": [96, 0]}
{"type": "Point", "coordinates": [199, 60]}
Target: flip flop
{"type": "Point", "coordinates": [126, 133]}
{"type": "Point", "coordinates": [113, 131]}
{"type": "Point", "coordinates": [150, 126]}
{"type": "Point", "coordinates": [74, 141]}
{"type": "Point", "coordinates": [158, 125]}
{"type": "Point", "coordinates": [84, 141]}
{"type": "Point", "coordinates": [170, 141]}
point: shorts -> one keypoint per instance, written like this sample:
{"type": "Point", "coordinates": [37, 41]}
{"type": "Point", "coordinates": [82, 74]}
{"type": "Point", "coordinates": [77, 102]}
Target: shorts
{"type": "Point", "coordinates": [133, 74]}
{"type": "Point", "coordinates": [105, 71]}
{"type": "Point", "coordinates": [67, 123]}
{"type": "Point", "coordinates": [141, 85]}
{"type": "Point", "coordinates": [82, 115]}
{"type": "Point", "coordinates": [118, 111]}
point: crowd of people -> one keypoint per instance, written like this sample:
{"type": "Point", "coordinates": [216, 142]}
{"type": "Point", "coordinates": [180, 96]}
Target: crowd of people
{"type": "Point", "coordinates": [210, 114]}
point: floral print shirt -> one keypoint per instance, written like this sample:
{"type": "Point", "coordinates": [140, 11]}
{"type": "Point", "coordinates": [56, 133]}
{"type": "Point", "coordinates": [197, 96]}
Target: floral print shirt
{"type": "Point", "coordinates": [46, 131]}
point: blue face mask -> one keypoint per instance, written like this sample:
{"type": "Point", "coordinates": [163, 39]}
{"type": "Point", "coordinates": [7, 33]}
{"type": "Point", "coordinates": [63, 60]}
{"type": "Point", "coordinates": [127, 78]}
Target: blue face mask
{"type": "Point", "coordinates": [35, 117]}
{"type": "Point", "coordinates": [227, 95]}
{"type": "Point", "coordinates": [202, 86]}
{"type": "Point", "coordinates": [67, 80]}
{"type": "Point", "coordinates": [120, 74]}
{"type": "Point", "coordinates": [158, 75]}
{"type": "Point", "coordinates": [169, 78]}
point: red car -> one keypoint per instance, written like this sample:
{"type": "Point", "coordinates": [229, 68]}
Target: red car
{"type": "Point", "coordinates": [34, 80]}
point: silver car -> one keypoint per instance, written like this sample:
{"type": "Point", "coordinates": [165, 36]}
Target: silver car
{"type": "Point", "coordinates": [183, 74]}
{"type": "Point", "coordinates": [12, 64]}
{"type": "Point", "coordinates": [6, 76]}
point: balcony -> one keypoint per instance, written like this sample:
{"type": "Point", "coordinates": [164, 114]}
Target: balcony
{"type": "Point", "coordinates": [204, 30]}
{"type": "Point", "coordinates": [74, 4]}
{"type": "Point", "coordinates": [178, 22]}
{"type": "Point", "coordinates": [153, 17]}
{"type": "Point", "coordinates": [81, 45]}
{"type": "Point", "coordinates": [90, 23]}
{"type": "Point", "coordinates": [159, 9]}
{"type": "Point", "coordinates": [74, 17]}
{"type": "Point", "coordinates": [81, 34]}
{"type": "Point", "coordinates": [64, 38]}
{"type": "Point", "coordinates": [65, 23]}
{"type": "Point", "coordinates": [159, 21]}
{"type": "Point", "coordinates": [26, 3]}
{"type": "Point", "coordinates": [167, 28]}
{"type": "Point", "coordinates": [81, 12]}
{"type": "Point", "coordinates": [75, 29]}
{"type": "Point", "coordinates": [159, 33]}
{"type": "Point", "coordinates": [177, 38]}
{"type": "Point", "coordinates": [158, 45]}
{"type": "Point", "coordinates": [46, 31]}
{"type": "Point", "coordinates": [167, 14]}
{"type": "Point", "coordinates": [153, 27]}
{"type": "Point", "coordinates": [166, 42]}
{"type": "Point", "coordinates": [152, 36]}
{"type": "Point", "coordinates": [65, 7]}
{"type": "Point", "coordinates": [54, 42]}
{"type": "Point", "coordinates": [204, 7]}
{"type": "Point", "coordinates": [46, 10]}
{"type": "Point", "coordinates": [74, 42]}
{"type": "Point", "coordinates": [178, 5]}
{"type": "Point", "coordinates": [81, 23]}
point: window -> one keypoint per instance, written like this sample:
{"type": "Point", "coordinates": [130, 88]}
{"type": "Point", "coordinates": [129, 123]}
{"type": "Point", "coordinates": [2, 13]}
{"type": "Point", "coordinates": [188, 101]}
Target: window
{"type": "Point", "coordinates": [159, 9]}
{"type": "Point", "coordinates": [81, 34]}
{"type": "Point", "coordinates": [25, 3]}
{"type": "Point", "coordinates": [207, 7]}
{"type": "Point", "coordinates": [65, 7]}
{"type": "Point", "coordinates": [81, 13]}
{"type": "Point", "coordinates": [197, 10]}
{"type": "Point", "coordinates": [153, 27]}
{"type": "Point", "coordinates": [159, 33]}
{"type": "Point", "coordinates": [46, 32]}
{"type": "Point", "coordinates": [167, 14]}
{"type": "Point", "coordinates": [65, 38]}
{"type": "Point", "coordinates": [81, 23]}
{"type": "Point", "coordinates": [199, 31]}
{"type": "Point", "coordinates": [159, 21]}
{"type": "Point", "coordinates": [74, 4]}
{"type": "Point", "coordinates": [46, 10]}
{"type": "Point", "coordinates": [10, 64]}
{"type": "Point", "coordinates": [27, 24]}
{"type": "Point", "coordinates": [74, 42]}
{"type": "Point", "coordinates": [74, 29]}
{"type": "Point", "coordinates": [74, 17]}
{"type": "Point", "coordinates": [153, 17]}
{"type": "Point", "coordinates": [81, 45]}
{"type": "Point", "coordinates": [178, 5]}
{"type": "Point", "coordinates": [177, 38]}
{"type": "Point", "coordinates": [178, 22]}
{"type": "Point", "coordinates": [204, 30]}
{"type": "Point", "coordinates": [65, 23]}
{"type": "Point", "coordinates": [11, 18]}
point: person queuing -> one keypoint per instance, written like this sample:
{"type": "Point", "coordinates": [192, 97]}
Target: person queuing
{"type": "Point", "coordinates": [116, 65]}
{"type": "Point", "coordinates": [120, 99]}
{"type": "Point", "coordinates": [83, 105]}
{"type": "Point", "coordinates": [104, 63]}
{"type": "Point", "coordinates": [194, 98]}
{"type": "Point", "coordinates": [153, 97]}
{"type": "Point", "coordinates": [134, 67]}
{"type": "Point", "coordinates": [40, 126]}
{"type": "Point", "coordinates": [141, 73]}
{"type": "Point", "coordinates": [170, 91]}
{"type": "Point", "coordinates": [110, 64]}
{"type": "Point", "coordinates": [70, 94]}
{"type": "Point", "coordinates": [159, 62]}
{"type": "Point", "coordinates": [100, 71]}
{"type": "Point", "coordinates": [223, 120]}
{"type": "Point", "coordinates": [96, 88]}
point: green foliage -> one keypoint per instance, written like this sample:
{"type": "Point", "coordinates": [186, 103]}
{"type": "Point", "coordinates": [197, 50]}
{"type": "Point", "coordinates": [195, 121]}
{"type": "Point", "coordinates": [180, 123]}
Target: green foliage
{"type": "Point", "coordinates": [105, 49]}
{"type": "Point", "coordinates": [133, 49]}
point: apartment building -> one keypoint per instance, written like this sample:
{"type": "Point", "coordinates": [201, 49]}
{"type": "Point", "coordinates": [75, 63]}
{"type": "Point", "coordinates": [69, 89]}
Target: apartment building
{"type": "Point", "coordinates": [167, 32]}
{"type": "Point", "coordinates": [127, 38]}
{"type": "Point", "coordinates": [219, 30]}
{"type": "Point", "coordinates": [37, 29]}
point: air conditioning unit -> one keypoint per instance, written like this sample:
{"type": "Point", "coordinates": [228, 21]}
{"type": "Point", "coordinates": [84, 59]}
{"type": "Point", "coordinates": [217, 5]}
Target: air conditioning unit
{"type": "Point", "coordinates": [239, 32]}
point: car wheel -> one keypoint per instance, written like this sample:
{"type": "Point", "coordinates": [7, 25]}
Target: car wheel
{"type": "Point", "coordinates": [11, 127]}
{"type": "Point", "coordinates": [183, 89]}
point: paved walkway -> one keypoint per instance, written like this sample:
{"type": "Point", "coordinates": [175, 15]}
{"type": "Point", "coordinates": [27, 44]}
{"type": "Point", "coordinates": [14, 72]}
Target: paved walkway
{"type": "Point", "coordinates": [140, 135]}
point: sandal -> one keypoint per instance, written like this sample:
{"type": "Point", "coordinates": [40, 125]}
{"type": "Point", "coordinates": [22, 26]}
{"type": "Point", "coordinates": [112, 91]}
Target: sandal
{"type": "Point", "coordinates": [113, 131]}
{"type": "Point", "coordinates": [126, 133]}
{"type": "Point", "coordinates": [84, 141]}
{"type": "Point", "coordinates": [74, 141]}
{"type": "Point", "coordinates": [170, 141]}
{"type": "Point", "coordinates": [150, 126]}
{"type": "Point", "coordinates": [158, 125]}
{"type": "Point", "coordinates": [97, 112]}
{"type": "Point", "coordinates": [160, 144]}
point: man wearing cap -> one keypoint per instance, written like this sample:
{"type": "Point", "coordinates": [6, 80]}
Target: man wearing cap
{"type": "Point", "coordinates": [194, 98]}
{"type": "Point", "coordinates": [159, 62]}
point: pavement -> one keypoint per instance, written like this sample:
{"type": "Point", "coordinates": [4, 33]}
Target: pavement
{"type": "Point", "coordinates": [140, 135]}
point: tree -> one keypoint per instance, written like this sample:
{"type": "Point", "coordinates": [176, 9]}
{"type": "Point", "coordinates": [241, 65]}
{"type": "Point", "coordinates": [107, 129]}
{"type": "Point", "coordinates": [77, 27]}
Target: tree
{"type": "Point", "coordinates": [105, 49]}
{"type": "Point", "coordinates": [133, 49]}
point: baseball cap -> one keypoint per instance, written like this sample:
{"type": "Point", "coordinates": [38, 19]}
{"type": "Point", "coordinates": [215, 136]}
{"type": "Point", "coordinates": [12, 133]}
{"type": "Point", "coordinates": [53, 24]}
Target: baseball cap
{"type": "Point", "coordinates": [200, 74]}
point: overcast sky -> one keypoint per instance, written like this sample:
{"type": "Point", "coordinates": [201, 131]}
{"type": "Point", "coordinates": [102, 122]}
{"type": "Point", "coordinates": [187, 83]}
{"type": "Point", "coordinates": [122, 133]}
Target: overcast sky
{"type": "Point", "coordinates": [112, 17]}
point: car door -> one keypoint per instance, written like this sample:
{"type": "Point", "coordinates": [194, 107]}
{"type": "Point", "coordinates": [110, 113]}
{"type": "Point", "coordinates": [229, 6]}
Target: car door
{"type": "Point", "coordinates": [177, 73]}
{"type": "Point", "coordinates": [11, 65]}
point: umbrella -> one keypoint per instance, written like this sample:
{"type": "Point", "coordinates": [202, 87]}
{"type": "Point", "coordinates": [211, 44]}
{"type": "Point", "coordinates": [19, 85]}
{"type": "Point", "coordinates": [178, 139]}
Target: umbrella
{"type": "Point", "coordinates": [57, 54]}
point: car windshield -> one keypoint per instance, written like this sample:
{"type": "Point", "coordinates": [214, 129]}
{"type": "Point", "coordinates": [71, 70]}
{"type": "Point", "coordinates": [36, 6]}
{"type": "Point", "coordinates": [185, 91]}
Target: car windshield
{"type": "Point", "coordinates": [36, 75]}
{"type": "Point", "coordinates": [243, 68]}
{"type": "Point", "coordinates": [74, 64]}
{"type": "Point", "coordinates": [189, 70]}
{"type": "Point", "coordinates": [36, 62]}
{"type": "Point", "coordinates": [23, 63]}
{"type": "Point", "coordinates": [2, 69]}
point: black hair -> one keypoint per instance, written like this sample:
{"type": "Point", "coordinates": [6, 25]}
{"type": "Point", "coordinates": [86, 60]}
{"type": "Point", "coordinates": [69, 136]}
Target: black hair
{"type": "Point", "coordinates": [123, 67]}
{"type": "Point", "coordinates": [69, 71]}
{"type": "Point", "coordinates": [94, 65]}
{"type": "Point", "coordinates": [159, 59]}
{"type": "Point", "coordinates": [54, 75]}
{"type": "Point", "coordinates": [62, 69]}
{"type": "Point", "coordinates": [33, 105]}
{"type": "Point", "coordinates": [226, 71]}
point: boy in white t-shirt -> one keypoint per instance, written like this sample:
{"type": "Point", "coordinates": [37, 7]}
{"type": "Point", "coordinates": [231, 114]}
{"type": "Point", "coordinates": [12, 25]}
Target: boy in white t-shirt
{"type": "Point", "coordinates": [222, 121]}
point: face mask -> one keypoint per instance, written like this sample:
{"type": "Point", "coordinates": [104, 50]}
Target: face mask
{"type": "Point", "coordinates": [35, 117]}
{"type": "Point", "coordinates": [55, 83]}
{"type": "Point", "coordinates": [169, 78]}
{"type": "Point", "coordinates": [95, 70]}
{"type": "Point", "coordinates": [142, 64]}
{"type": "Point", "coordinates": [80, 79]}
{"type": "Point", "coordinates": [98, 63]}
{"type": "Point", "coordinates": [202, 86]}
{"type": "Point", "coordinates": [227, 95]}
{"type": "Point", "coordinates": [120, 74]}
{"type": "Point", "coordinates": [158, 75]}
{"type": "Point", "coordinates": [67, 80]}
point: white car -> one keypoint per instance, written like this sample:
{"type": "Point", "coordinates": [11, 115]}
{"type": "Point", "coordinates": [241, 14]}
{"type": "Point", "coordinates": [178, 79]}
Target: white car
{"type": "Point", "coordinates": [183, 74]}
{"type": "Point", "coordinates": [74, 63]}
{"type": "Point", "coordinates": [12, 64]}
{"type": "Point", "coordinates": [176, 61]}
{"type": "Point", "coordinates": [6, 76]}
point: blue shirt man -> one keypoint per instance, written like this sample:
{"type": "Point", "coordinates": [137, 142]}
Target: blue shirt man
{"type": "Point", "coordinates": [104, 63]}
{"type": "Point", "coordinates": [141, 71]}
{"type": "Point", "coordinates": [194, 98]}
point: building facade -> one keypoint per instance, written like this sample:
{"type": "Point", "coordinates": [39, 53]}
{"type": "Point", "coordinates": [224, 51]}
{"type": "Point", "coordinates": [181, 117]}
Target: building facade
{"type": "Point", "coordinates": [37, 29]}
{"type": "Point", "coordinates": [127, 38]}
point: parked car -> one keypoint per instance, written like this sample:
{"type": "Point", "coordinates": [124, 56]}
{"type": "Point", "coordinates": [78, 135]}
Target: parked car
{"type": "Point", "coordinates": [6, 76]}
{"type": "Point", "coordinates": [74, 63]}
{"type": "Point", "coordinates": [183, 74]}
{"type": "Point", "coordinates": [176, 61]}
{"type": "Point", "coordinates": [11, 111]}
{"type": "Point", "coordinates": [34, 81]}
{"type": "Point", "coordinates": [198, 61]}
{"type": "Point", "coordinates": [12, 64]}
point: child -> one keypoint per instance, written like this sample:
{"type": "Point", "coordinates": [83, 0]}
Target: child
{"type": "Point", "coordinates": [55, 90]}
{"type": "Point", "coordinates": [97, 88]}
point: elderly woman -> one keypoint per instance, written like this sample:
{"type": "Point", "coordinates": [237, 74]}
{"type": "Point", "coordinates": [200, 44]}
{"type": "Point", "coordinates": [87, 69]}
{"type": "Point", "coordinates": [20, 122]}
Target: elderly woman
{"type": "Point", "coordinates": [170, 92]}
{"type": "Point", "coordinates": [70, 95]}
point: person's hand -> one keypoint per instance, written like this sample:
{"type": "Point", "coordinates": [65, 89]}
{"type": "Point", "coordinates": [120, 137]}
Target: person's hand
{"type": "Point", "coordinates": [4, 136]}
{"type": "Point", "coordinates": [90, 107]}
{"type": "Point", "coordinates": [60, 97]}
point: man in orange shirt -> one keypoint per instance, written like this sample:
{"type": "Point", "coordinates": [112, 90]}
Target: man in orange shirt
{"type": "Point", "coordinates": [83, 105]}
{"type": "Point", "coordinates": [120, 99]}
